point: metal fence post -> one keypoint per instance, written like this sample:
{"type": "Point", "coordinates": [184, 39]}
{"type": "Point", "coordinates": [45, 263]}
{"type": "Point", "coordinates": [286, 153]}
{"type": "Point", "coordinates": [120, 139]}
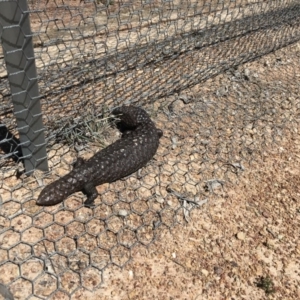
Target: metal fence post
{"type": "Point", "coordinates": [16, 40]}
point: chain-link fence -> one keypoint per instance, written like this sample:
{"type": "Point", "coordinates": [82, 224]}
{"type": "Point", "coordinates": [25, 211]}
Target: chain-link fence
{"type": "Point", "coordinates": [91, 56]}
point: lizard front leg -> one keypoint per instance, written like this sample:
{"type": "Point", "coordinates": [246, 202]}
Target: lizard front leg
{"type": "Point", "coordinates": [90, 191]}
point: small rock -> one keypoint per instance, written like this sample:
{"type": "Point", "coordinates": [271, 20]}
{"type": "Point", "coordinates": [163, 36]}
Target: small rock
{"type": "Point", "coordinates": [204, 272]}
{"type": "Point", "coordinates": [204, 142]}
{"type": "Point", "coordinates": [213, 184]}
{"type": "Point", "coordinates": [122, 213]}
{"type": "Point", "coordinates": [241, 235]}
{"type": "Point", "coordinates": [280, 236]}
{"type": "Point", "coordinates": [263, 232]}
{"type": "Point", "coordinates": [160, 200]}
{"type": "Point", "coordinates": [174, 140]}
{"type": "Point", "coordinates": [218, 270]}
{"type": "Point", "coordinates": [234, 264]}
{"type": "Point", "coordinates": [169, 202]}
{"type": "Point", "coordinates": [247, 74]}
{"type": "Point", "coordinates": [239, 166]}
{"type": "Point", "coordinates": [177, 106]}
{"type": "Point", "coordinates": [221, 92]}
{"type": "Point", "coordinates": [130, 273]}
{"type": "Point", "coordinates": [185, 98]}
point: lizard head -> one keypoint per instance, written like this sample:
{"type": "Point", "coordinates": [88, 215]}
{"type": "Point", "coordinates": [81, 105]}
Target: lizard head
{"type": "Point", "coordinates": [50, 195]}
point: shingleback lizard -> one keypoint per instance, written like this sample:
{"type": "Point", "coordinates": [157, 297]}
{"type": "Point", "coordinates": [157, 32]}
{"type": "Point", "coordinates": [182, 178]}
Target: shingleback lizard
{"type": "Point", "coordinates": [138, 144]}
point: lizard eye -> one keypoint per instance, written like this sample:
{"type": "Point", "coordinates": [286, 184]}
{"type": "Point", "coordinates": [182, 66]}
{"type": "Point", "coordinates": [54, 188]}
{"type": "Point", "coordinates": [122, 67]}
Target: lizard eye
{"type": "Point", "coordinates": [160, 133]}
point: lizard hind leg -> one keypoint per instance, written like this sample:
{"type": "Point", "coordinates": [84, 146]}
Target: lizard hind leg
{"type": "Point", "coordinates": [91, 192]}
{"type": "Point", "coordinates": [80, 161]}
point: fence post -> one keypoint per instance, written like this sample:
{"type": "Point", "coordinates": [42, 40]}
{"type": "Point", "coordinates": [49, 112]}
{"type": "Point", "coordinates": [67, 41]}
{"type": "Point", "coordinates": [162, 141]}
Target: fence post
{"type": "Point", "coordinates": [16, 40]}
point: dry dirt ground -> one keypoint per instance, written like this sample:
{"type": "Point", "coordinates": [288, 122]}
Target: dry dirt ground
{"type": "Point", "coordinates": [231, 142]}
{"type": "Point", "coordinates": [244, 243]}
{"type": "Point", "coordinates": [231, 145]}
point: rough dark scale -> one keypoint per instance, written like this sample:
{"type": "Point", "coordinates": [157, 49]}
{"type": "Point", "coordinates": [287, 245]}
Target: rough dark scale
{"type": "Point", "coordinates": [137, 146]}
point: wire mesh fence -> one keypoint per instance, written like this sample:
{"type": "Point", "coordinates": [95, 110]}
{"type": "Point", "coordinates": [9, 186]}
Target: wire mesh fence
{"type": "Point", "coordinates": [92, 56]}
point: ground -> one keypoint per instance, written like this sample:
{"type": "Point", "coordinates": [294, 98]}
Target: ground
{"type": "Point", "coordinates": [231, 144]}
{"type": "Point", "coordinates": [247, 234]}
